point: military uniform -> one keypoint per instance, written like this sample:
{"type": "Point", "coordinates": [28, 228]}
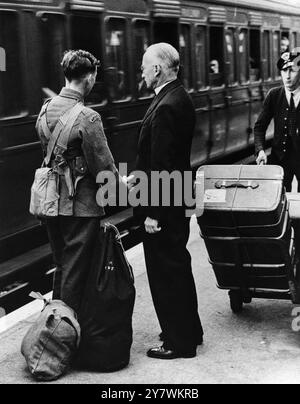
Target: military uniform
{"type": "Point", "coordinates": [73, 233]}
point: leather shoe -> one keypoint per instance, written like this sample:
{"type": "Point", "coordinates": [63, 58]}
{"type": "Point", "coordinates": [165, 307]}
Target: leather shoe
{"type": "Point", "coordinates": [199, 339]}
{"type": "Point", "coordinates": [163, 353]}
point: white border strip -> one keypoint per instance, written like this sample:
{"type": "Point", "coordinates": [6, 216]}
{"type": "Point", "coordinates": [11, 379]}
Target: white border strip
{"type": "Point", "coordinates": [13, 318]}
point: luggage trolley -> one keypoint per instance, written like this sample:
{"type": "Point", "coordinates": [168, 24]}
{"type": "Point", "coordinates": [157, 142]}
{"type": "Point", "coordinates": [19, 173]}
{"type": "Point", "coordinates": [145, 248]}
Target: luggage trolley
{"type": "Point", "coordinates": [248, 232]}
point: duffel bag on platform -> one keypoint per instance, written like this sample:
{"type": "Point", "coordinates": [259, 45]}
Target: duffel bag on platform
{"type": "Point", "coordinates": [51, 342]}
{"type": "Point", "coordinates": [106, 312]}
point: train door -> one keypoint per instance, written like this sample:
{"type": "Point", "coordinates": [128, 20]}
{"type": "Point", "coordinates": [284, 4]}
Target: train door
{"type": "Point", "coordinates": [217, 103]}
{"type": "Point", "coordinates": [130, 108]}
{"type": "Point", "coordinates": [11, 108]}
{"type": "Point", "coordinates": [237, 92]}
{"type": "Point", "coordinates": [277, 50]}
{"type": "Point", "coordinates": [266, 61]}
{"type": "Point", "coordinates": [202, 146]}
{"type": "Point", "coordinates": [21, 152]}
{"type": "Point", "coordinates": [294, 40]}
{"type": "Point", "coordinates": [255, 78]}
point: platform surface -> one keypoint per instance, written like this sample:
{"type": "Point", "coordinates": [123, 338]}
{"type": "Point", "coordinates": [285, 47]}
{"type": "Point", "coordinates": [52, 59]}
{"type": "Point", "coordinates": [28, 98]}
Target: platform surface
{"type": "Point", "coordinates": [257, 346]}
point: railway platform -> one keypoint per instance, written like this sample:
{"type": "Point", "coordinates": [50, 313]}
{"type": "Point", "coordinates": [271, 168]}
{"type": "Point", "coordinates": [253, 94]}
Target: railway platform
{"type": "Point", "coordinates": [255, 347]}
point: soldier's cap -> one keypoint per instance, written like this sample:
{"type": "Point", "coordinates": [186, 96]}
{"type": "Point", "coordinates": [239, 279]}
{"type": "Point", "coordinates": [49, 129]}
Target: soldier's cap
{"type": "Point", "coordinates": [290, 59]}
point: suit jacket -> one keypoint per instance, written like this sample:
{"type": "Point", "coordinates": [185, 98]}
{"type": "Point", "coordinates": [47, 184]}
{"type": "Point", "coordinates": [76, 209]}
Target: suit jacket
{"type": "Point", "coordinates": [165, 139]}
{"type": "Point", "coordinates": [87, 140]}
{"type": "Point", "coordinates": [276, 107]}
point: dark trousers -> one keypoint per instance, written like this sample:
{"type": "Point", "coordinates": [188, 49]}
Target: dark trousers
{"type": "Point", "coordinates": [172, 284]}
{"type": "Point", "coordinates": [291, 167]}
{"type": "Point", "coordinates": [72, 241]}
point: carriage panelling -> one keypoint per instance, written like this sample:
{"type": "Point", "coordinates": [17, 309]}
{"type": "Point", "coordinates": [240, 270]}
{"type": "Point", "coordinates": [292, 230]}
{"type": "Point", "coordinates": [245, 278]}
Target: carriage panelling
{"type": "Point", "coordinates": [118, 31]}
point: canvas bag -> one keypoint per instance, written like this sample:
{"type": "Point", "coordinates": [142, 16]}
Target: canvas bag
{"type": "Point", "coordinates": [44, 200]}
{"type": "Point", "coordinates": [107, 306]}
{"type": "Point", "coordinates": [51, 342]}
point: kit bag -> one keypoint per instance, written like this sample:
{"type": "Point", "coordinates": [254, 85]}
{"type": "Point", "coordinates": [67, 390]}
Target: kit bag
{"type": "Point", "coordinates": [107, 306]}
{"type": "Point", "coordinates": [51, 342]}
{"type": "Point", "coordinates": [44, 201]}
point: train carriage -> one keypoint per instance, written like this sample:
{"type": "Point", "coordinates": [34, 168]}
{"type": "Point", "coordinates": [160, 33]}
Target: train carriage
{"type": "Point", "coordinates": [229, 51]}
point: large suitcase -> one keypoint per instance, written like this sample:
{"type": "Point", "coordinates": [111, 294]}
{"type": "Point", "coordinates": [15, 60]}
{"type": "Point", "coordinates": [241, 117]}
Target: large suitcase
{"type": "Point", "coordinates": [246, 201]}
{"type": "Point", "coordinates": [247, 232]}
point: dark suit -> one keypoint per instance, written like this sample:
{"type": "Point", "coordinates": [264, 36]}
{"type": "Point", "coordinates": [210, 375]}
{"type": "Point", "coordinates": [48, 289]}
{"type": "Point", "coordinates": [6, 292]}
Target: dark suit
{"type": "Point", "coordinates": [285, 147]}
{"type": "Point", "coordinates": [165, 144]}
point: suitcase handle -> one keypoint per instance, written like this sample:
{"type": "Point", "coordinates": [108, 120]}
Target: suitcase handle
{"type": "Point", "coordinates": [236, 184]}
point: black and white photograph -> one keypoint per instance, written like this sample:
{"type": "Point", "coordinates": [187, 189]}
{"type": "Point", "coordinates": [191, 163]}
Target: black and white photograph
{"type": "Point", "coordinates": [150, 195]}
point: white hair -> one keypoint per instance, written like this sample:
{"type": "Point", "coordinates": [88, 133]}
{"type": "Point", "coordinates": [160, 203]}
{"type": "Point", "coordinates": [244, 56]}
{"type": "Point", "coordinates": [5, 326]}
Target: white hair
{"type": "Point", "coordinates": [167, 55]}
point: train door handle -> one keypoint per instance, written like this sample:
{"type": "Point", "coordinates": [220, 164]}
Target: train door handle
{"type": "Point", "coordinates": [205, 109]}
{"type": "Point", "coordinates": [112, 120]}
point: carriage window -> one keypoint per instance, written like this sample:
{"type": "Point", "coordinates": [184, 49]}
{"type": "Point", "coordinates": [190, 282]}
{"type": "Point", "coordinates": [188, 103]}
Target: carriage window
{"type": "Point", "coordinates": [294, 40]}
{"type": "Point", "coordinates": [243, 56]}
{"type": "Point", "coordinates": [142, 42]}
{"type": "Point", "coordinates": [186, 57]}
{"type": "Point", "coordinates": [88, 37]}
{"type": "Point", "coordinates": [10, 72]}
{"type": "Point", "coordinates": [266, 55]}
{"type": "Point", "coordinates": [201, 61]}
{"type": "Point", "coordinates": [230, 49]}
{"type": "Point", "coordinates": [216, 62]}
{"type": "Point", "coordinates": [116, 68]}
{"type": "Point", "coordinates": [285, 43]}
{"type": "Point", "coordinates": [276, 51]}
{"type": "Point", "coordinates": [255, 55]}
{"type": "Point", "coordinates": [53, 40]}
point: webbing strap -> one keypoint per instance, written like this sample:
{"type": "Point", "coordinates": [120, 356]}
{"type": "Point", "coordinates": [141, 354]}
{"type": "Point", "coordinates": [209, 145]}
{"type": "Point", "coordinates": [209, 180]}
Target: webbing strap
{"type": "Point", "coordinates": [62, 129]}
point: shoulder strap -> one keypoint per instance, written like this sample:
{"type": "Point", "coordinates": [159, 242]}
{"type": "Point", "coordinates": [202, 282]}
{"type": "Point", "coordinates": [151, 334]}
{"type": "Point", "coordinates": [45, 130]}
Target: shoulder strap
{"type": "Point", "coordinates": [68, 124]}
{"type": "Point", "coordinates": [64, 125]}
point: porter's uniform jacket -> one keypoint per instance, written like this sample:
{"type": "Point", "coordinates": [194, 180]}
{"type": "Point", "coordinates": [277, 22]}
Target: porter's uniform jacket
{"type": "Point", "coordinates": [276, 107]}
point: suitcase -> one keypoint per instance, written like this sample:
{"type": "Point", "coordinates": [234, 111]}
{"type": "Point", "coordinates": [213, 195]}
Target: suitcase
{"type": "Point", "coordinates": [248, 233]}
{"type": "Point", "coordinates": [294, 214]}
{"type": "Point", "coordinates": [246, 201]}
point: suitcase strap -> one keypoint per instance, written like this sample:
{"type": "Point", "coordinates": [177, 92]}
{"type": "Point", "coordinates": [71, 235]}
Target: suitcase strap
{"type": "Point", "coordinates": [236, 184]}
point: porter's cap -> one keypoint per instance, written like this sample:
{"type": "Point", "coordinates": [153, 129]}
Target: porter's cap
{"type": "Point", "coordinates": [289, 59]}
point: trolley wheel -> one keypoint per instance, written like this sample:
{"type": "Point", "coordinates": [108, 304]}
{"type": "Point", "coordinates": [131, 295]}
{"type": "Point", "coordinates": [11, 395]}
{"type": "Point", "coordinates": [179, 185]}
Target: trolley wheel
{"type": "Point", "coordinates": [236, 301]}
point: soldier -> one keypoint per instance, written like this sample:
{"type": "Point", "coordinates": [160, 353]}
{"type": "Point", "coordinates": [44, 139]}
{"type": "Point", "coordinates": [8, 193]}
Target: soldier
{"type": "Point", "coordinates": [282, 105]}
{"type": "Point", "coordinates": [72, 233]}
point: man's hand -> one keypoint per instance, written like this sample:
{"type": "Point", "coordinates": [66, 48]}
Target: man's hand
{"type": "Point", "coordinates": [128, 181]}
{"type": "Point", "coordinates": [151, 226]}
{"type": "Point", "coordinates": [262, 158]}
